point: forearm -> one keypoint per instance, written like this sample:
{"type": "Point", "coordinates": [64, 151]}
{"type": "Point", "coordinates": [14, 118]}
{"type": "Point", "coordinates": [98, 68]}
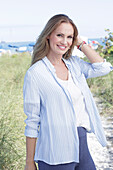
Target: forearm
{"type": "Point", "coordinates": [30, 149]}
{"type": "Point", "coordinates": [91, 54]}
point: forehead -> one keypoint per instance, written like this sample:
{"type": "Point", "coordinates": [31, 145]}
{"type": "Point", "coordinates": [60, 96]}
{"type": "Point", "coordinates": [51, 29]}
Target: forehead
{"type": "Point", "coordinates": [65, 28]}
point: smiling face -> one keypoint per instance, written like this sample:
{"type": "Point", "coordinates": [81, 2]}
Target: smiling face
{"type": "Point", "coordinates": [61, 39]}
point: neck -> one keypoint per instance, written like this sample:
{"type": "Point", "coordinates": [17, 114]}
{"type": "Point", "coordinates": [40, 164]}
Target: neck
{"type": "Point", "coordinates": [55, 60]}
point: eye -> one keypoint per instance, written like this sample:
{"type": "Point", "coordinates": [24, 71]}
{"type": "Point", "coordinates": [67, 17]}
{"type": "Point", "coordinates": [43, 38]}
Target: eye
{"type": "Point", "coordinates": [59, 35]}
{"type": "Point", "coordinates": [70, 37]}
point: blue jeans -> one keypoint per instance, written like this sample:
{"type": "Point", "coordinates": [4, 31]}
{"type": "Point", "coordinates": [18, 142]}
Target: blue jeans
{"type": "Point", "coordinates": [85, 159]}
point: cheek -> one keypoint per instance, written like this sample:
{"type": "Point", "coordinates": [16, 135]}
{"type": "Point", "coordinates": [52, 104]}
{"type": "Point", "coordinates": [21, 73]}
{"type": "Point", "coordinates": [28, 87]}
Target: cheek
{"type": "Point", "coordinates": [70, 42]}
{"type": "Point", "coordinates": [56, 39]}
{"type": "Point", "coordinates": [53, 40]}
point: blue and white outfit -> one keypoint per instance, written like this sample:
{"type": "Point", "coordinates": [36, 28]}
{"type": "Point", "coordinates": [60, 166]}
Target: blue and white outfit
{"type": "Point", "coordinates": [51, 116]}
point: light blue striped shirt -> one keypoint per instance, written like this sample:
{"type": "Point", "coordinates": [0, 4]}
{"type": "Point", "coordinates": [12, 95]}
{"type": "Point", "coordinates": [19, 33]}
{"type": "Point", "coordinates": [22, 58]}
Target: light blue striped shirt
{"type": "Point", "coordinates": [50, 113]}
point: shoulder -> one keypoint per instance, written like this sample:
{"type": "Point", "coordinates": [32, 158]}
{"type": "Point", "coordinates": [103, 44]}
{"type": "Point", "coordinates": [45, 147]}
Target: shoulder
{"type": "Point", "coordinates": [75, 60]}
{"type": "Point", "coordinates": [38, 67]}
{"type": "Point", "coordinates": [79, 61]}
{"type": "Point", "coordinates": [35, 70]}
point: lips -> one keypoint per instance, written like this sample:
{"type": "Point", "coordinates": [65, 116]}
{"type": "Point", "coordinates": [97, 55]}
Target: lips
{"type": "Point", "coordinates": [62, 47]}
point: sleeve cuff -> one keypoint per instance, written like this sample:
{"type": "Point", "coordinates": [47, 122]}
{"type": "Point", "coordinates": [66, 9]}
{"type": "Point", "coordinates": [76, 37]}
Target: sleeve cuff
{"type": "Point", "coordinates": [102, 64]}
{"type": "Point", "coordinates": [31, 133]}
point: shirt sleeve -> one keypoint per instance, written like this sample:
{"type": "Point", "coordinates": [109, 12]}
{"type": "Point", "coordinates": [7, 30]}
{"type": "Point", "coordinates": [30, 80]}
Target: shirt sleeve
{"type": "Point", "coordinates": [31, 105]}
{"type": "Point", "coordinates": [93, 70]}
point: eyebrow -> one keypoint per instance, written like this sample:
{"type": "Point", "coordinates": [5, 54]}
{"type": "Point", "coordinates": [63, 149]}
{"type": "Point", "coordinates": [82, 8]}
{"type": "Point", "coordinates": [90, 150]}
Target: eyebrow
{"type": "Point", "coordinates": [63, 34]}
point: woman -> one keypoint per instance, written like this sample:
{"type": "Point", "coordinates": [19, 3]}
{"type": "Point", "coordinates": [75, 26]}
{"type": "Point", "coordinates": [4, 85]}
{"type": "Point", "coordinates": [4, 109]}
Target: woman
{"type": "Point", "coordinates": [57, 101]}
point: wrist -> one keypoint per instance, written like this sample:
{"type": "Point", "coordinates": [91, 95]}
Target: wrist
{"type": "Point", "coordinates": [29, 161]}
{"type": "Point", "coordinates": [80, 45]}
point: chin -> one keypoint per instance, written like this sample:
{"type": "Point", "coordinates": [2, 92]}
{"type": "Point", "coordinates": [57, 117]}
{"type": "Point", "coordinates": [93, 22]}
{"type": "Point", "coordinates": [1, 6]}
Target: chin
{"type": "Point", "coordinates": [61, 53]}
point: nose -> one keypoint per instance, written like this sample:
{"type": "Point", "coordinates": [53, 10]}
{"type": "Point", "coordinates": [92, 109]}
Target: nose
{"type": "Point", "coordinates": [64, 41]}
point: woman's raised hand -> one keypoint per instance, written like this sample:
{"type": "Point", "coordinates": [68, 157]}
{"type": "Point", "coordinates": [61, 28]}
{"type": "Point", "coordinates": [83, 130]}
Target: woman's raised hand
{"type": "Point", "coordinates": [78, 40]}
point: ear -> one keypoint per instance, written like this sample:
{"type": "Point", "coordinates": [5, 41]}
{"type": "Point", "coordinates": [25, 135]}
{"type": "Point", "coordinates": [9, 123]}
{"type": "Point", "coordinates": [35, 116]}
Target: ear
{"type": "Point", "coordinates": [48, 37]}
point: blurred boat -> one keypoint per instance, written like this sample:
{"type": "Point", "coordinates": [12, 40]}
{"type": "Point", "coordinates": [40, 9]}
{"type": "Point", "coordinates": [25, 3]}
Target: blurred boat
{"type": "Point", "coordinates": [22, 49]}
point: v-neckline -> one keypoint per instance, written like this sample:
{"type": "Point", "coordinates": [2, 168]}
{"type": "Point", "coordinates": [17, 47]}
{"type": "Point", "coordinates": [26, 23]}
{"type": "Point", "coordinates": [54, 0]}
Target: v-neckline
{"type": "Point", "coordinates": [64, 80]}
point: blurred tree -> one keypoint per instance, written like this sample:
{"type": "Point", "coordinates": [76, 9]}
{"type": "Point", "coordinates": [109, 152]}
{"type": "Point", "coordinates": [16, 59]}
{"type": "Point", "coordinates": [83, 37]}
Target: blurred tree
{"type": "Point", "coordinates": [106, 50]}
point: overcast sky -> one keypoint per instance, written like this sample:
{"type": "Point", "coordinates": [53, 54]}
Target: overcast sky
{"type": "Point", "coordinates": [22, 20]}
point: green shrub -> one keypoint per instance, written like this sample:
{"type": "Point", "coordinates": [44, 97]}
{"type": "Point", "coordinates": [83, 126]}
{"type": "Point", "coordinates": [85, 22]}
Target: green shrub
{"type": "Point", "coordinates": [106, 51]}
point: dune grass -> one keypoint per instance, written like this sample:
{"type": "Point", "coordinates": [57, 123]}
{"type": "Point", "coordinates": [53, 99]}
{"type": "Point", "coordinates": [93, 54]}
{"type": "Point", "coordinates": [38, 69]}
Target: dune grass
{"type": "Point", "coordinates": [12, 139]}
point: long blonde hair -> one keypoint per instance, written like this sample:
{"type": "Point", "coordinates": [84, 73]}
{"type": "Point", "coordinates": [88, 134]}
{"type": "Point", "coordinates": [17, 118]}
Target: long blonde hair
{"type": "Point", "coordinates": [41, 47]}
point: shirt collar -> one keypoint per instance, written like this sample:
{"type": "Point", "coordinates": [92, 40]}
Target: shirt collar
{"type": "Point", "coordinates": [67, 63]}
{"type": "Point", "coordinates": [50, 65]}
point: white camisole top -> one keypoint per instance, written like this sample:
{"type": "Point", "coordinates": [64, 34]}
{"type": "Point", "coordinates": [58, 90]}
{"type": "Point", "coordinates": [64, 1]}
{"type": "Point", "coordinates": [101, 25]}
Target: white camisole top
{"type": "Point", "coordinates": [78, 102]}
